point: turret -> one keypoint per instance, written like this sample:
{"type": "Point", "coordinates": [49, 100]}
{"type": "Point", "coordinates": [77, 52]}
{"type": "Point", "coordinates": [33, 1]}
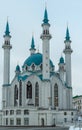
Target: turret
{"type": "Point", "coordinates": [67, 51]}
{"type": "Point", "coordinates": [62, 69]}
{"type": "Point", "coordinates": [6, 46]}
{"type": "Point", "coordinates": [32, 49]}
{"type": "Point", "coordinates": [17, 71]}
{"type": "Point", "coordinates": [46, 36]}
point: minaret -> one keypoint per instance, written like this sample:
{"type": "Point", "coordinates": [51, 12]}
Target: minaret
{"type": "Point", "coordinates": [7, 46]}
{"type": "Point", "coordinates": [32, 49]}
{"type": "Point", "coordinates": [67, 51]}
{"type": "Point", "coordinates": [61, 68]}
{"type": "Point", "coordinates": [46, 36]}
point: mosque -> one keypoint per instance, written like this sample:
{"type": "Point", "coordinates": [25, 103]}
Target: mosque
{"type": "Point", "coordinates": [38, 95]}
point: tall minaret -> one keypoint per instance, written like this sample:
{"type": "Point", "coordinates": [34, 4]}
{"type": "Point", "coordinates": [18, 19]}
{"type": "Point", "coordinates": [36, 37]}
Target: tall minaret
{"type": "Point", "coordinates": [32, 49]}
{"type": "Point", "coordinates": [67, 51]}
{"type": "Point", "coordinates": [7, 46]}
{"type": "Point", "coordinates": [46, 36]}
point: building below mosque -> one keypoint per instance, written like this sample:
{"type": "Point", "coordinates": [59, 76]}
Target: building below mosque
{"type": "Point", "coordinates": [38, 95]}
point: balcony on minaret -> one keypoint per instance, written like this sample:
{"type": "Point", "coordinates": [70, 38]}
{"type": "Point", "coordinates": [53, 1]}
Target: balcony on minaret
{"type": "Point", "coordinates": [46, 34]}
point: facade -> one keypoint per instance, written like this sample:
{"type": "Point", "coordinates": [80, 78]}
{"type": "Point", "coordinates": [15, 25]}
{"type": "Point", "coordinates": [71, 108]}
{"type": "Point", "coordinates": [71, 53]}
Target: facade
{"type": "Point", "coordinates": [37, 95]}
{"type": "Point", "coordinates": [77, 103]}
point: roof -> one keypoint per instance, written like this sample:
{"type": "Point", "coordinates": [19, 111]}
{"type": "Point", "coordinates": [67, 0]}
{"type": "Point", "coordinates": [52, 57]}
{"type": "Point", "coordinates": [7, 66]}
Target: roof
{"type": "Point", "coordinates": [18, 68]}
{"type": "Point", "coordinates": [7, 32]}
{"type": "Point", "coordinates": [32, 44]}
{"type": "Point", "coordinates": [36, 59]}
{"type": "Point", "coordinates": [61, 60]}
{"type": "Point", "coordinates": [67, 35]}
{"type": "Point", "coordinates": [45, 20]}
{"type": "Point", "coordinates": [77, 96]}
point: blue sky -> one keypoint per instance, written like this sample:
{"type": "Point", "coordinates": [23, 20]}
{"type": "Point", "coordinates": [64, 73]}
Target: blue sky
{"type": "Point", "coordinates": [25, 17]}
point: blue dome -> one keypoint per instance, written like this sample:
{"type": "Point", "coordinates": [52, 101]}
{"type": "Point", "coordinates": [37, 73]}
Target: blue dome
{"type": "Point", "coordinates": [36, 59]}
{"type": "Point", "coordinates": [61, 60]}
{"type": "Point", "coordinates": [18, 68]}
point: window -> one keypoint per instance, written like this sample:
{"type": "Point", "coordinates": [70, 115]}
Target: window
{"type": "Point", "coordinates": [72, 113]}
{"type": "Point", "coordinates": [20, 93]}
{"type": "Point", "coordinates": [15, 95]}
{"type": "Point", "coordinates": [11, 112]}
{"type": "Point", "coordinates": [72, 120]}
{"type": "Point", "coordinates": [18, 121]}
{"type": "Point", "coordinates": [29, 90]}
{"type": "Point", "coordinates": [6, 121]}
{"type": "Point", "coordinates": [7, 112]}
{"type": "Point", "coordinates": [26, 112]}
{"type": "Point", "coordinates": [7, 42]}
{"type": "Point", "coordinates": [11, 121]}
{"type": "Point", "coordinates": [33, 67]}
{"type": "Point", "coordinates": [41, 66]}
{"type": "Point", "coordinates": [56, 95]}
{"type": "Point", "coordinates": [26, 68]}
{"type": "Point", "coordinates": [18, 112]}
{"type": "Point", "coordinates": [65, 119]}
{"type": "Point", "coordinates": [26, 121]}
{"type": "Point", "coordinates": [36, 94]}
{"type": "Point", "coordinates": [65, 113]}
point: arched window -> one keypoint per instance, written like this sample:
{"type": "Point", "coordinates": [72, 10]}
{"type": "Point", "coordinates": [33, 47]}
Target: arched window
{"type": "Point", "coordinates": [26, 68]}
{"type": "Point", "coordinates": [20, 93]}
{"type": "Point", "coordinates": [56, 95]}
{"type": "Point", "coordinates": [36, 94]}
{"type": "Point", "coordinates": [15, 95]}
{"type": "Point", "coordinates": [44, 32]}
{"type": "Point", "coordinates": [33, 67]}
{"type": "Point", "coordinates": [41, 66]}
{"type": "Point", "coordinates": [29, 90]}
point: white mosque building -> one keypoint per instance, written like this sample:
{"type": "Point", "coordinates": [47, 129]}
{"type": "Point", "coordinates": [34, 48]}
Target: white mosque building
{"type": "Point", "coordinates": [38, 95]}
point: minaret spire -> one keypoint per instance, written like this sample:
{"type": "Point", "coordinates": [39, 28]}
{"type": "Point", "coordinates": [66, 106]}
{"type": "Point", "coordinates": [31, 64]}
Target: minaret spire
{"type": "Point", "coordinates": [67, 38]}
{"type": "Point", "coordinates": [45, 20]}
{"type": "Point", "coordinates": [7, 32]}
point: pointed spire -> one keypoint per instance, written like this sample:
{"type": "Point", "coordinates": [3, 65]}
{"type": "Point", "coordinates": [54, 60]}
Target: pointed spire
{"type": "Point", "coordinates": [67, 35]}
{"type": "Point", "coordinates": [17, 68]}
{"type": "Point", "coordinates": [32, 43]}
{"type": "Point", "coordinates": [32, 49]}
{"type": "Point", "coordinates": [7, 32]}
{"type": "Point", "coordinates": [61, 60]}
{"type": "Point", "coordinates": [45, 20]}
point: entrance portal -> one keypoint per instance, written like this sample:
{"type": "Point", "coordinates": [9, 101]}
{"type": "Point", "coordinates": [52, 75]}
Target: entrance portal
{"type": "Point", "coordinates": [42, 122]}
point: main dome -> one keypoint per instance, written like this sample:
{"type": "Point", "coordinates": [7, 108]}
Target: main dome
{"type": "Point", "coordinates": [35, 59]}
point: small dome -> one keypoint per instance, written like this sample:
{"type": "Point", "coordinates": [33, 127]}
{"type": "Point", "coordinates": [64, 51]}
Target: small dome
{"type": "Point", "coordinates": [18, 68]}
{"type": "Point", "coordinates": [61, 60]}
{"type": "Point", "coordinates": [35, 59]}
